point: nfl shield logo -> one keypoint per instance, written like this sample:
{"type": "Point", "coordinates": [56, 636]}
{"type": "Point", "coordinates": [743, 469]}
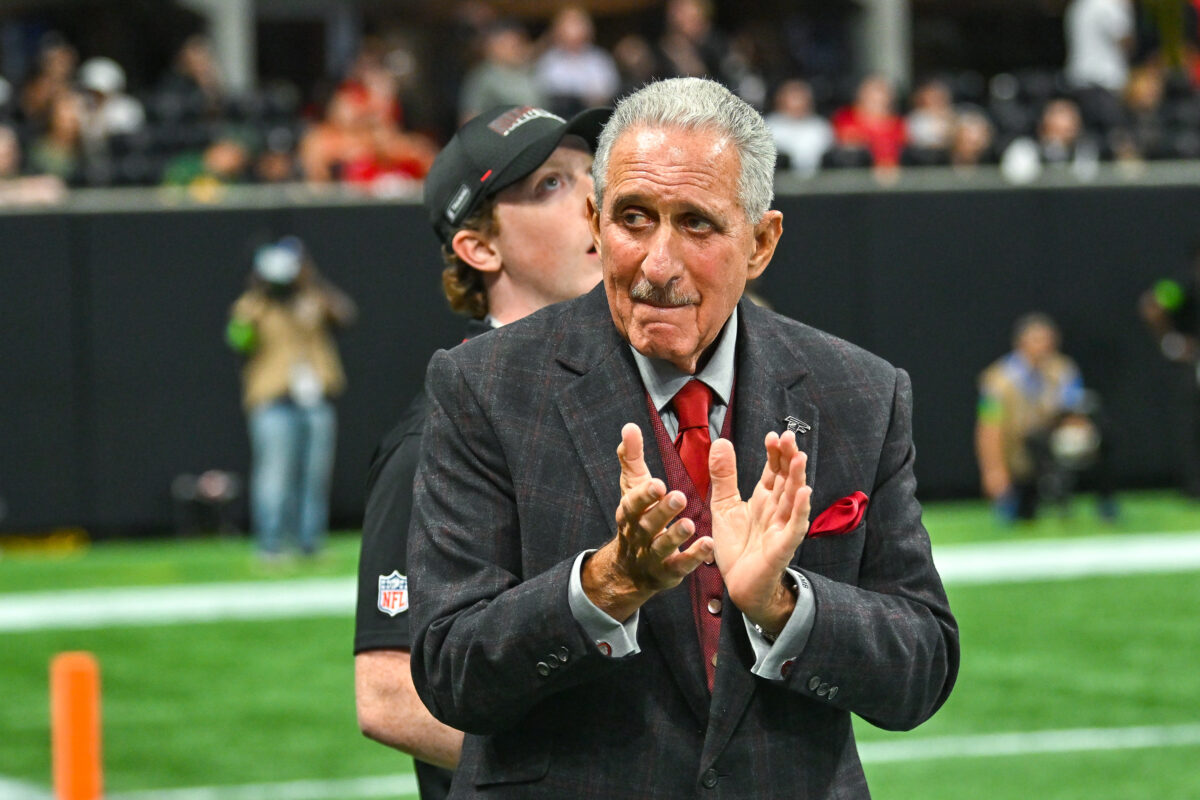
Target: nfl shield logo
{"type": "Point", "coordinates": [393, 593]}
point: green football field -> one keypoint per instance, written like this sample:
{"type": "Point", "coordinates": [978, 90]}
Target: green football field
{"type": "Point", "coordinates": [1083, 686]}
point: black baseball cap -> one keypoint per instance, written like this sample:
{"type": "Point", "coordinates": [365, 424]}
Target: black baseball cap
{"type": "Point", "coordinates": [494, 150]}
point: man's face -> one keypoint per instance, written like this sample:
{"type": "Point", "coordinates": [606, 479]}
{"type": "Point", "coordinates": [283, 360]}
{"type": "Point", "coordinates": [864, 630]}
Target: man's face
{"type": "Point", "coordinates": [544, 241]}
{"type": "Point", "coordinates": [676, 245]}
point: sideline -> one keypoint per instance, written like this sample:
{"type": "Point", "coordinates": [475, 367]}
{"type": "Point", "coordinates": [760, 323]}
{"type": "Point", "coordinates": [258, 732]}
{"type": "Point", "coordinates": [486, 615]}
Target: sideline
{"type": "Point", "coordinates": [985, 745]}
{"type": "Point", "coordinates": [987, 562]}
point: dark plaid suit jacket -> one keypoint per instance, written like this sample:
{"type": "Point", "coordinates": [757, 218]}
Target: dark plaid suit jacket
{"type": "Point", "coordinates": [519, 475]}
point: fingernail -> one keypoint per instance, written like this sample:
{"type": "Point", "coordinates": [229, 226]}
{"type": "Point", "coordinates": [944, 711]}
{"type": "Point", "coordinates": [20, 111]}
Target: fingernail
{"type": "Point", "coordinates": [675, 502]}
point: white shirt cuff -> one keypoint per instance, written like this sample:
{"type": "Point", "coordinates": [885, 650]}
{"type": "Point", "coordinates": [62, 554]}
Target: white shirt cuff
{"type": "Point", "coordinates": [612, 638]}
{"type": "Point", "coordinates": [773, 660]}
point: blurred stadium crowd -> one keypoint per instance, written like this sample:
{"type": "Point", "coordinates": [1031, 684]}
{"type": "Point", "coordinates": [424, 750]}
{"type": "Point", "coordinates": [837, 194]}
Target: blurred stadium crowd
{"type": "Point", "coordinates": [1128, 92]}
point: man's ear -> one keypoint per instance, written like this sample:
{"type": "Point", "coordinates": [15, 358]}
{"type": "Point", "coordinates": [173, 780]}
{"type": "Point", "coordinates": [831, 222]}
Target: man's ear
{"type": "Point", "coordinates": [593, 215]}
{"type": "Point", "coordinates": [476, 250]}
{"type": "Point", "coordinates": [766, 237]}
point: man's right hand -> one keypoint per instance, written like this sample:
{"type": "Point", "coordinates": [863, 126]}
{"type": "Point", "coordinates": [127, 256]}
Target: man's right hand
{"type": "Point", "coordinates": [644, 557]}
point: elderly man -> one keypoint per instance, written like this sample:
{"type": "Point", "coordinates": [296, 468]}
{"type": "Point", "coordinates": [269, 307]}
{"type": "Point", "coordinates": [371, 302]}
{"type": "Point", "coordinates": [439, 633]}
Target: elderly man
{"type": "Point", "coordinates": [631, 626]}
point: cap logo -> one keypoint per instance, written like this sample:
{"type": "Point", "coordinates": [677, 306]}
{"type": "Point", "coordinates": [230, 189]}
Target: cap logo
{"type": "Point", "coordinates": [508, 122]}
{"type": "Point", "coordinates": [458, 203]}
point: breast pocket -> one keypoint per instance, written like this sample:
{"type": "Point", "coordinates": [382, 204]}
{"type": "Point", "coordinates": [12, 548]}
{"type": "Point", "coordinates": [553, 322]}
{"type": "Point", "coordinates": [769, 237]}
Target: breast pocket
{"type": "Point", "coordinates": [837, 557]}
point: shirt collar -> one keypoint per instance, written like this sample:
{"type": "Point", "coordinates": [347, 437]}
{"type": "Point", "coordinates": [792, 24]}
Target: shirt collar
{"type": "Point", "coordinates": [663, 379]}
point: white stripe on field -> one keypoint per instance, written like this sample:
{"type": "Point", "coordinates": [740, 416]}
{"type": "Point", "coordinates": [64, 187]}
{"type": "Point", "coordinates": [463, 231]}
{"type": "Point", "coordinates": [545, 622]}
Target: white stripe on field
{"type": "Point", "coordinates": [1016, 744]}
{"type": "Point", "coordinates": [20, 790]}
{"type": "Point", "coordinates": [901, 750]}
{"type": "Point", "coordinates": [389, 786]}
{"type": "Point", "coordinates": [1017, 561]}
{"type": "Point", "coordinates": [989, 562]}
{"type": "Point", "coordinates": [154, 605]}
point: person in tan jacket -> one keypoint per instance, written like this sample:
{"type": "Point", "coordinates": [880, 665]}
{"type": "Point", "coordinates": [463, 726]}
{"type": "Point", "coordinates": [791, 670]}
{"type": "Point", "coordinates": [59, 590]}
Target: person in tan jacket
{"type": "Point", "coordinates": [283, 324]}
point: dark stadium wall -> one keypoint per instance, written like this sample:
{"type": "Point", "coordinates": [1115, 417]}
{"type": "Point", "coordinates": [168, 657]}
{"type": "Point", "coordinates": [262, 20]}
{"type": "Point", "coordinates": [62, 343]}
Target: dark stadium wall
{"type": "Point", "coordinates": [117, 379]}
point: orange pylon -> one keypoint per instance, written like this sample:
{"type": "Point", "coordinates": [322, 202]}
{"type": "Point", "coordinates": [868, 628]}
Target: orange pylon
{"type": "Point", "coordinates": [75, 726]}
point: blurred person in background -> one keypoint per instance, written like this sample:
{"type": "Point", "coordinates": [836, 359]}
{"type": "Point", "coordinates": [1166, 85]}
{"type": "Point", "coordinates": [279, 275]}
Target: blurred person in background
{"type": "Point", "coordinates": [283, 326]}
{"type": "Point", "coordinates": [930, 124]}
{"type": "Point", "coordinates": [505, 76]}
{"type": "Point", "coordinates": [513, 243]}
{"type": "Point", "coordinates": [110, 111]}
{"type": "Point", "coordinates": [1171, 310]}
{"type": "Point", "coordinates": [635, 62]}
{"type": "Point", "coordinates": [690, 45]}
{"type": "Point", "coordinates": [1061, 142]}
{"type": "Point", "coordinates": [972, 141]}
{"type": "Point", "coordinates": [573, 72]}
{"type": "Point", "coordinates": [193, 85]}
{"type": "Point", "coordinates": [55, 75]}
{"type": "Point", "coordinates": [223, 162]}
{"type": "Point", "coordinates": [1035, 422]}
{"type": "Point", "coordinates": [18, 189]}
{"type": "Point", "coordinates": [802, 136]}
{"type": "Point", "coordinates": [59, 150]}
{"type": "Point", "coordinates": [1144, 132]}
{"type": "Point", "coordinates": [872, 124]}
{"type": "Point", "coordinates": [1100, 36]}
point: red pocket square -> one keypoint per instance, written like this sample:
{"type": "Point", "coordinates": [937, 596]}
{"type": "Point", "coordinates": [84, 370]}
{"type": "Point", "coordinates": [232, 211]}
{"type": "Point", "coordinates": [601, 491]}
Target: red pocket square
{"type": "Point", "coordinates": [841, 517]}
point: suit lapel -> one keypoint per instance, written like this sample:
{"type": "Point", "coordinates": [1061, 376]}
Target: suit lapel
{"type": "Point", "coordinates": [770, 387]}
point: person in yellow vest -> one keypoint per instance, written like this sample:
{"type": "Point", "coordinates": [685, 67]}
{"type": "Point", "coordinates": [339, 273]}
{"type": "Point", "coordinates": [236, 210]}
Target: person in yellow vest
{"type": "Point", "coordinates": [283, 324]}
{"type": "Point", "coordinates": [1037, 426]}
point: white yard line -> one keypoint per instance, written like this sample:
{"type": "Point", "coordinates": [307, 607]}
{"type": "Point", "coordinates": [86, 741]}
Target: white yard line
{"type": "Point", "coordinates": [990, 562]}
{"type": "Point", "coordinates": [1077, 740]}
{"type": "Point", "coordinates": [388, 786]}
{"type": "Point", "coordinates": [986, 745]}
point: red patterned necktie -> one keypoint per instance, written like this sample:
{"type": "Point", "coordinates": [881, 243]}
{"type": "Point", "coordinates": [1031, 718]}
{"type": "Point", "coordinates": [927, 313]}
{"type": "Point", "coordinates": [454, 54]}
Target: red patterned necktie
{"type": "Point", "coordinates": [692, 403]}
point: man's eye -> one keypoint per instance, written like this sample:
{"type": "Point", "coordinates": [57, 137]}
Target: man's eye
{"type": "Point", "coordinates": [633, 217]}
{"type": "Point", "coordinates": [698, 224]}
{"type": "Point", "coordinates": [551, 183]}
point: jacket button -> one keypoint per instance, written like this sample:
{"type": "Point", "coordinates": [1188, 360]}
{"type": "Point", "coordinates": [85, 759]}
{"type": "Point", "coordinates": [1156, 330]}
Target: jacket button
{"type": "Point", "coordinates": [710, 778]}
{"type": "Point", "coordinates": [563, 654]}
{"type": "Point", "coordinates": [786, 667]}
{"type": "Point", "coordinates": [552, 661]}
{"type": "Point", "coordinates": [833, 690]}
{"type": "Point", "coordinates": [814, 682]}
{"type": "Point", "coordinates": [823, 690]}
{"type": "Point", "coordinates": [543, 668]}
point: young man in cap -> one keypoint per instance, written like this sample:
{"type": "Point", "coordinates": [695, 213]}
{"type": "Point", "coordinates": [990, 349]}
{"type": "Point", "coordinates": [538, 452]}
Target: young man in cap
{"type": "Point", "coordinates": [507, 198]}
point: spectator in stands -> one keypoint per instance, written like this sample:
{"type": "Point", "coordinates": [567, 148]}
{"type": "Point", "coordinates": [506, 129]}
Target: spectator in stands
{"type": "Point", "coordinates": [871, 123]}
{"type": "Point", "coordinates": [930, 124]}
{"type": "Point", "coordinates": [16, 189]}
{"type": "Point", "coordinates": [283, 325]}
{"type": "Point", "coordinates": [193, 87]}
{"type": "Point", "coordinates": [1034, 422]}
{"type": "Point", "coordinates": [971, 141]}
{"type": "Point", "coordinates": [690, 45]}
{"type": "Point", "coordinates": [573, 73]}
{"type": "Point", "coordinates": [59, 151]}
{"type": "Point", "coordinates": [636, 62]}
{"type": "Point", "coordinates": [1061, 142]}
{"type": "Point", "coordinates": [225, 161]}
{"type": "Point", "coordinates": [801, 135]}
{"type": "Point", "coordinates": [356, 144]}
{"type": "Point", "coordinates": [1099, 38]}
{"type": "Point", "coordinates": [55, 74]}
{"type": "Point", "coordinates": [504, 77]}
{"type": "Point", "coordinates": [110, 111]}
{"type": "Point", "coordinates": [1171, 310]}
{"type": "Point", "coordinates": [1144, 130]}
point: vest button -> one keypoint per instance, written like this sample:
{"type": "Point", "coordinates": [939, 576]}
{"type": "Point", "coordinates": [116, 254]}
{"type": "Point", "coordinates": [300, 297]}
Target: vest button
{"type": "Point", "coordinates": [714, 606]}
{"type": "Point", "coordinates": [714, 659]}
{"type": "Point", "coordinates": [709, 780]}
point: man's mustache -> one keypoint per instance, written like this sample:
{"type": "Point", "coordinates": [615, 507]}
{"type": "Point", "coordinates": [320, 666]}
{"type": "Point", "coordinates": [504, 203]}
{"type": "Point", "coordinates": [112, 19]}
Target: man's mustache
{"type": "Point", "coordinates": [669, 295]}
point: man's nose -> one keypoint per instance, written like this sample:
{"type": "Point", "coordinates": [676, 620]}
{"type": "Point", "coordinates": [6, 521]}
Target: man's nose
{"type": "Point", "coordinates": [663, 261]}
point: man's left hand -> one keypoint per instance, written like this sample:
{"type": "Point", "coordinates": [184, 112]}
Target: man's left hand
{"type": "Point", "coordinates": [754, 540]}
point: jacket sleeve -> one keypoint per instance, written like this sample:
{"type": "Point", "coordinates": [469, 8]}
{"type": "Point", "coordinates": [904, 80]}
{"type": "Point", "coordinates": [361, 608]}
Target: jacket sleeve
{"type": "Point", "coordinates": [490, 642]}
{"type": "Point", "coordinates": [885, 648]}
